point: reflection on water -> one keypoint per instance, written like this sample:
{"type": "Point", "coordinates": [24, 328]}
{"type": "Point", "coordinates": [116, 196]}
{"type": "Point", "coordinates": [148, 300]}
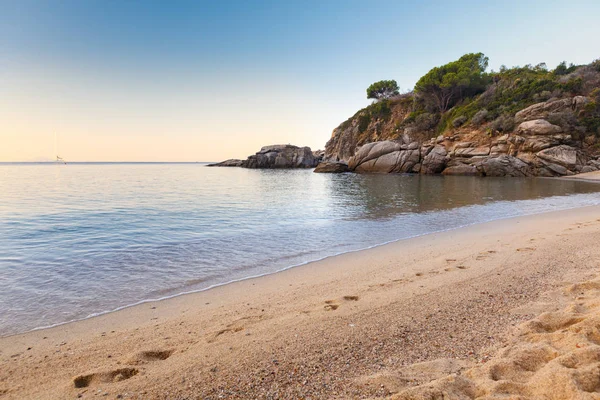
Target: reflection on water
{"type": "Point", "coordinates": [87, 238]}
{"type": "Point", "coordinates": [386, 196]}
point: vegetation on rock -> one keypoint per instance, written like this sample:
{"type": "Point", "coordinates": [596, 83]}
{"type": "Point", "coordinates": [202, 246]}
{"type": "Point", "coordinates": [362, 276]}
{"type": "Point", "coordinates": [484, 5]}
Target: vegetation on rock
{"type": "Point", "coordinates": [462, 101]}
{"type": "Point", "coordinates": [382, 90]}
{"type": "Point", "coordinates": [444, 86]}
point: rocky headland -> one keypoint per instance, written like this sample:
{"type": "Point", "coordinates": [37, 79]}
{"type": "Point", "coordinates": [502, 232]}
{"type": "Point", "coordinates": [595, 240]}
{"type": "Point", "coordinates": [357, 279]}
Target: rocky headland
{"type": "Point", "coordinates": [524, 121]}
{"type": "Point", "coordinates": [462, 120]}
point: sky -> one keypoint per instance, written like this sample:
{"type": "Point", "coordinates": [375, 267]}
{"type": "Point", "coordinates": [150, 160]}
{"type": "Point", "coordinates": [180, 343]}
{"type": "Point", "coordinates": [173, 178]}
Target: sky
{"type": "Point", "coordinates": [126, 80]}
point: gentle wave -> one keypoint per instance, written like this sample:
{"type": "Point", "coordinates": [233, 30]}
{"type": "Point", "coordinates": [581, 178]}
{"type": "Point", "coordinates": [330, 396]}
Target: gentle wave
{"type": "Point", "coordinates": [115, 236]}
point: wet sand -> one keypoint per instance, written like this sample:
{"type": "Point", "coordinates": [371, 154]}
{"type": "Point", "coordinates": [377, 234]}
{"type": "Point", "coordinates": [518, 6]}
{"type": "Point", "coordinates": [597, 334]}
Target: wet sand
{"type": "Point", "coordinates": [458, 312]}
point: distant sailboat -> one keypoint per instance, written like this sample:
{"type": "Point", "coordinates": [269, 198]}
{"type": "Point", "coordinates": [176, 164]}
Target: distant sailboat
{"type": "Point", "coordinates": [59, 160]}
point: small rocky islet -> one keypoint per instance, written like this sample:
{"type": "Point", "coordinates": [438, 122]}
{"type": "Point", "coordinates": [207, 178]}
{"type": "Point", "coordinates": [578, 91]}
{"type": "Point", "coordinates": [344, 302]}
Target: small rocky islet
{"type": "Point", "coordinates": [519, 122]}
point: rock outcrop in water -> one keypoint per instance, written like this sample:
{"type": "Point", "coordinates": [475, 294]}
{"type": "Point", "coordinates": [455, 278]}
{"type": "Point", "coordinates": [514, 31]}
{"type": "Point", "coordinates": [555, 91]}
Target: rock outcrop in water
{"type": "Point", "coordinates": [332, 167]}
{"type": "Point", "coordinates": [233, 162]}
{"type": "Point", "coordinates": [277, 156]}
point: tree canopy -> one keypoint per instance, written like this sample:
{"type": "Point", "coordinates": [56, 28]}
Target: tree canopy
{"type": "Point", "coordinates": [382, 90]}
{"type": "Point", "coordinates": [446, 85]}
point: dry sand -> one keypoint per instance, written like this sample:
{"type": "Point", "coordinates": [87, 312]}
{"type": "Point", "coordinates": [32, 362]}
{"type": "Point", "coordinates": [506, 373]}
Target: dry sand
{"type": "Point", "coordinates": [507, 309]}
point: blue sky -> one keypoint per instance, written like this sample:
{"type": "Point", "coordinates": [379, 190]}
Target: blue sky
{"type": "Point", "coordinates": [187, 81]}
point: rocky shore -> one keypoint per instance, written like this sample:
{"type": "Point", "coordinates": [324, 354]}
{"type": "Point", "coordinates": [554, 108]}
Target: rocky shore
{"type": "Point", "coordinates": [535, 148]}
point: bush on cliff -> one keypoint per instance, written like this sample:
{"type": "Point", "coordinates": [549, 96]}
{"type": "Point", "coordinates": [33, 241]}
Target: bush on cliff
{"type": "Point", "coordinates": [443, 87]}
{"type": "Point", "coordinates": [382, 90]}
{"type": "Point", "coordinates": [562, 68]}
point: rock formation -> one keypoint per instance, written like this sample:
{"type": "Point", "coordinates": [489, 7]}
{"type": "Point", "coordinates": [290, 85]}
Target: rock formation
{"type": "Point", "coordinates": [332, 167]}
{"type": "Point", "coordinates": [277, 156]}
{"type": "Point", "coordinates": [537, 147]}
{"type": "Point", "coordinates": [232, 162]}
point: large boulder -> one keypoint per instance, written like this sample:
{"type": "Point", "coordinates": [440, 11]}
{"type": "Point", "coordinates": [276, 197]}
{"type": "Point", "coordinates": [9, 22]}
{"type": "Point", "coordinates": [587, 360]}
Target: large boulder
{"type": "Point", "coordinates": [461, 169]}
{"type": "Point", "coordinates": [331, 167]}
{"type": "Point", "coordinates": [385, 157]}
{"type": "Point", "coordinates": [505, 165]}
{"type": "Point", "coordinates": [562, 160]}
{"type": "Point", "coordinates": [537, 143]}
{"type": "Point", "coordinates": [543, 110]}
{"type": "Point", "coordinates": [371, 151]}
{"type": "Point", "coordinates": [538, 127]}
{"type": "Point", "coordinates": [282, 156]}
{"type": "Point", "coordinates": [319, 155]}
{"type": "Point", "coordinates": [434, 160]}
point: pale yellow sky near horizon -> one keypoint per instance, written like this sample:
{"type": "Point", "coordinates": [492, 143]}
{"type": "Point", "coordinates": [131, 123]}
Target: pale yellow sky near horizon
{"type": "Point", "coordinates": [142, 121]}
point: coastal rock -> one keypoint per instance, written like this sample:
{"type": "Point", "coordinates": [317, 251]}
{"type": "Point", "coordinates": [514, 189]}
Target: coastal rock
{"type": "Point", "coordinates": [563, 160]}
{"type": "Point", "coordinates": [505, 165]}
{"type": "Point", "coordinates": [537, 143]}
{"type": "Point", "coordinates": [544, 109]}
{"type": "Point", "coordinates": [282, 156]}
{"type": "Point", "coordinates": [538, 127]}
{"type": "Point", "coordinates": [371, 151]}
{"type": "Point", "coordinates": [499, 149]}
{"type": "Point", "coordinates": [385, 157]}
{"type": "Point", "coordinates": [472, 151]}
{"type": "Point", "coordinates": [435, 160]}
{"type": "Point", "coordinates": [319, 155]}
{"type": "Point", "coordinates": [461, 169]}
{"type": "Point", "coordinates": [227, 163]}
{"type": "Point", "coordinates": [331, 167]}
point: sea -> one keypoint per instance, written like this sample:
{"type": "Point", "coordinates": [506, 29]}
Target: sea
{"type": "Point", "coordinates": [84, 239]}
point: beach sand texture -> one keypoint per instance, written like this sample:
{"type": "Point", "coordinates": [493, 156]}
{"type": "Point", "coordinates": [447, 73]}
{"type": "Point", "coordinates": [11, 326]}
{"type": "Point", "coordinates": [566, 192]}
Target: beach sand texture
{"type": "Point", "coordinates": [507, 309]}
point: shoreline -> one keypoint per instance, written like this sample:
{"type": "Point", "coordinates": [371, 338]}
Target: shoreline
{"type": "Point", "coordinates": [233, 326]}
{"type": "Point", "coordinates": [593, 177]}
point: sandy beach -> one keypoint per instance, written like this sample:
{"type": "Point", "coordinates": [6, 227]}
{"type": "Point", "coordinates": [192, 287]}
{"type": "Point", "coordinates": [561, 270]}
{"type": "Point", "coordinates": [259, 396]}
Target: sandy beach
{"type": "Point", "coordinates": [507, 307]}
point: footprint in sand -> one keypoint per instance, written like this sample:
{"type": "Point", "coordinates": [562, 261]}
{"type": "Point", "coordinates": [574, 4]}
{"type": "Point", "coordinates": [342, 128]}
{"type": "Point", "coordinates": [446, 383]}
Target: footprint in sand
{"type": "Point", "coordinates": [526, 249]}
{"type": "Point", "coordinates": [462, 267]}
{"type": "Point", "coordinates": [116, 375]}
{"type": "Point", "coordinates": [236, 326]}
{"type": "Point", "coordinates": [149, 356]}
{"type": "Point", "coordinates": [485, 255]}
{"type": "Point", "coordinates": [330, 305]}
{"type": "Point", "coordinates": [419, 274]}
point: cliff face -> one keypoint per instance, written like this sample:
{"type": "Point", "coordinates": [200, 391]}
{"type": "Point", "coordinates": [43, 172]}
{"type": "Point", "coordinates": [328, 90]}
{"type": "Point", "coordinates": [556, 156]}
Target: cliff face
{"type": "Point", "coordinates": [518, 136]}
{"type": "Point", "coordinates": [366, 126]}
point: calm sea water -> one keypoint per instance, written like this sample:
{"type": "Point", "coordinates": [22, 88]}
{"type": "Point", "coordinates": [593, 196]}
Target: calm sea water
{"type": "Point", "coordinates": [83, 239]}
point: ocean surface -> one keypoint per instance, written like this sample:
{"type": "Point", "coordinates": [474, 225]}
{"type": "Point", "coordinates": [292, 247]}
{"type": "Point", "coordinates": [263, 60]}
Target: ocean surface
{"type": "Point", "coordinates": [82, 239]}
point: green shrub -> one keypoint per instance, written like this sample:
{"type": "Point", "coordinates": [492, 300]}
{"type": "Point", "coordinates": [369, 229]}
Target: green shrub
{"type": "Point", "coordinates": [590, 117]}
{"type": "Point", "coordinates": [480, 117]}
{"type": "Point", "coordinates": [459, 121]}
{"type": "Point", "coordinates": [574, 85]}
{"type": "Point", "coordinates": [565, 119]}
{"type": "Point", "coordinates": [562, 69]}
{"type": "Point", "coordinates": [504, 123]}
{"type": "Point", "coordinates": [380, 109]}
{"type": "Point", "coordinates": [363, 122]}
{"type": "Point", "coordinates": [412, 117]}
{"type": "Point", "coordinates": [426, 121]}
